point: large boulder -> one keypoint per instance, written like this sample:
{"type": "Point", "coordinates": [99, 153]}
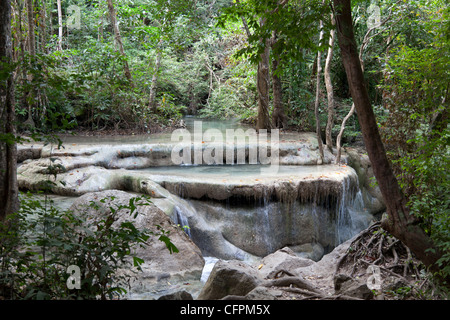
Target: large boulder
{"type": "Point", "coordinates": [282, 261]}
{"type": "Point", "coordinates": [160, 264]}
{"type": "Point", "coordinates": [232, 277]}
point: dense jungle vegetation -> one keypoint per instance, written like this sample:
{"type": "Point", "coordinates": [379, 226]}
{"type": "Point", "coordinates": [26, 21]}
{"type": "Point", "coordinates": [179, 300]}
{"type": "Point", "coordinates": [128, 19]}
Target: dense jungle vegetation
{"type": "Point", "coordinates": [139, 66]}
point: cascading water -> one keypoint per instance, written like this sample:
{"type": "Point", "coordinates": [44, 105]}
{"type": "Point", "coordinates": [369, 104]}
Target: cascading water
{"type": "Point", "coordinates": [343, 219]}
{"type": "Point", "coordinates": [232, 228]}
{"type": "Point", "coordinates": [180, 219]}
{"type": "Point", "coordinates": [351, 215]}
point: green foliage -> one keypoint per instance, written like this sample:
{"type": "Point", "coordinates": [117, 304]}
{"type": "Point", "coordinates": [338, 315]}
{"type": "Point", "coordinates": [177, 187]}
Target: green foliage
{"type": "Point", "coordinates": [40, 242]}
{"type": "Point", "coordinates": [415, 127]}
{"type": "Point", "coordinates": [263, 17]}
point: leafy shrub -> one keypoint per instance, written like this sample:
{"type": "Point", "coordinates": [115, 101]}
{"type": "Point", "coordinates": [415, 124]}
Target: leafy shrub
{"type": "Point", "coordinates": [40, 242]}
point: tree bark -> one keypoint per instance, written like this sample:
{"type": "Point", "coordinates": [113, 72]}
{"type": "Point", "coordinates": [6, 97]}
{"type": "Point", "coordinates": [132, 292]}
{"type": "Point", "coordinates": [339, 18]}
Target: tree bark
{"type": "Point", "coordinates": [152, 104]}
{"type": "Point", "coordinates": [32, 50]}
{"type": "Point", "coordinates": [329, 87]}
{"type": "Point", "coordinates": [262, 84]}
{"type": "Point", "coordinates": [118, 39]}
{"type": "Point", "coordinates": [60, 25]}
{"type": "Point", "coordinates": [400, 223]}
{"type": "Point", "coordinates": [31, 38]}
{"type": "Point", "coordinates": [278, 114]}
{"type": "Point", "coordinates": [339, 137]}
{"type": "Point", "coordinates": [43, 31]}
{"type": "Point", "coordinates": [316, 105]}
{"type": "Point", "coordinates": [262, 81]}
{"type": "Point", "coordinates": [279, 119]}
{"type": "Point", "coordinates": [9, 202]}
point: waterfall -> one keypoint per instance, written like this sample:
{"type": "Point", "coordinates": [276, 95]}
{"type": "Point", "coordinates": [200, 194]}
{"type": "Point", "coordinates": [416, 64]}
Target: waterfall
{"type": "Point", "coordinates": [343, 218]}
{"type": "Point", "coordinates": [266, 226]}
{"type": "Point", "coordinates": [180, 219]}
{"type": "Point", "coordinates": [351, 215]}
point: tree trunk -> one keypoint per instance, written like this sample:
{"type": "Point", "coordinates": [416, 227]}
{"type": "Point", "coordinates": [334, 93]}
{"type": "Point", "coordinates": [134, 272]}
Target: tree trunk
{"type": "Point", "coordinates": [400, 222]}
{"type": "Point", "coordinates": [60, 25]}
{"type": "Point", "coordinates": [339, 137]}
{"type": "Point", "coordinates": [118, 39]}
{"type": "Point", "coordinates": [278, 115]}
{"type": "Point", "coordinates": [32, 50]}
{"type": "Point", "coordinates": [316, 105]}
{"type": "Point", "coordinates": [43, 31]}
{"type": "Point", "coordinates": [31, 38]}
{"type": "Point", "coordinates": [9, 202]}
{"type": "Point", "coordinates": [262, 84]}
{"type": "Point", "coordinates": [152, 104]}
{"type": "Point", "coordinates": [329, 87]}
{"type": "Point", "coordinates": [279, 119]}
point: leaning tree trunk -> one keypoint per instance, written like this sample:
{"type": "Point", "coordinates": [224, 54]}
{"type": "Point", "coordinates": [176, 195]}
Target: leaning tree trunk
{"type": "Point", "coordinates": [118, 39]}
{"type": "Point", "coordinates": [400, 222]}
{"type": "Point", "coordinates": [339, 137]}
{"type": "Point", "coordinates": [9, 202]}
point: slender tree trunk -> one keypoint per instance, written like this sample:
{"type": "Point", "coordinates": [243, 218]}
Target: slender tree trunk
{"type": "Point", "coordinates": [316, 105]}
{"type": "Point", "coordinates": [31, 38]}
{"type": "Point", "coordinates": [329, 87]}
{"type": "Point", "coordinates": [339, 137]}
{"type": "Point", "coordinates": [32, 50]}
{"type": "Point", "coordinates": [152, 104]}
{"type": "Point", "coordinates": [43, 31]}
{"type": "Point", "coordinates": [279, 119]}
{"type": "Point", "coordinates": [22, 38]}
{"type": "Point", "coordinates": [9, 202]}
{"type": "Point", "coordinates": [118, 39]}
{"type": "Point", "coordinates": [60, 25]}
{"type": "Point", "coordinates": [400, 222]}
{"type": "Point", "coordinates": [262, 84]}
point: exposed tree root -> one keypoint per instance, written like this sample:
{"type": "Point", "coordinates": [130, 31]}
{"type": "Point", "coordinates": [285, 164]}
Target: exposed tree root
{"type": "Point", "coordinates": [399, 271]}
{"type": "Point", "coordinates": [291, 281]}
